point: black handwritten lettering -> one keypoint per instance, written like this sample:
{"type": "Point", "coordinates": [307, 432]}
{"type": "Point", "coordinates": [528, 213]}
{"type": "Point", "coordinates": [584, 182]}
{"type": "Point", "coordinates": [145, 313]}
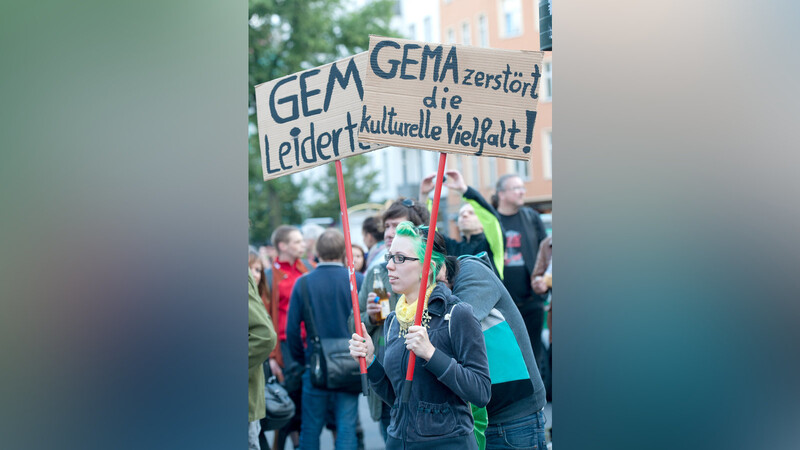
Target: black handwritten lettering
{"type": "Point", "coordinates": [336, 133]}
{"type": "Point", "coordinates": [506, 72]}
{"type": "Point", "coordinates": [486, 125]}
{"type": "Point", "coordinates": [436, 132]}
{"type": "Point", "coordinates": [266, 156]}
{"type": "Point", "coordinates": [364, 120]}
{"type": "Point", "coordinates": [408, 61]}
{"type": "Point", "coordinates": [296, 132]}
{"type": "Point", "coordinates": [312, 144]}
{"type": "Point", "coordinates": [466, 79]}
{"type": "Point", "coordinates": [513, 132]}
{"type": "Point", "coordinates": [350, 127]}
{"type": "Point", "coordinates": [535, 74]}
{"type": "Point", "coordinates": [496, 82]}
{"type": "Point", "coordinates": [428, 53]}
{"type": "Point", "coordinates": [288, 99]}
{"type": "Point", "coordinates": [452, 126]}
{"type": "Point", "coordinates": [321, 146]}
{"type": "Point", "coordinates": [373, 60]}
{"type": "Point", "coordinates": [305, 93]}
{"type": "Point", "coordinates": [451, 63]}
{"type": "Point", "coordinates": [282, 153]}
{"type": "Point", "coordinates": [336, 76]}
{"type": "Point", "coordinates": [430, 100]}
{"type": "Point", "coordinates": [479, 79]}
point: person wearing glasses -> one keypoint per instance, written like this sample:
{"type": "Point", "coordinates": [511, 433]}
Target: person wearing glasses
{"type": "Point", "coordinates": [401, 210]}
{"type": "Point", "coordinates": [452, 369]}
{"type": "Point", "coordinates": [477, 222]}
{"type": "Point", "coordinates": [524, 231]}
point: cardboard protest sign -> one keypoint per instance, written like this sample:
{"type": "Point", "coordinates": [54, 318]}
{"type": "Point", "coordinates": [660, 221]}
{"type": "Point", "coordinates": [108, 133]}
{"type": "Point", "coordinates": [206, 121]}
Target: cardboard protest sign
{"type": "Point", "coordinates": [311, 118]}
{"type": "Point", "coordinates": [450, 98]}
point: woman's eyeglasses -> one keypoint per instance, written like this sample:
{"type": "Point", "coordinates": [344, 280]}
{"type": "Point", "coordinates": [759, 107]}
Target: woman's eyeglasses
{"type": "Point", "coordinates": [398, 258]}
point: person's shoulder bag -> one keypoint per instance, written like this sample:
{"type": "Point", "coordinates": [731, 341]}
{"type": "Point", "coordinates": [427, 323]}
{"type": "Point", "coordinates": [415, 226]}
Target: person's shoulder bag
{"type": "Point", "coordinates": [280, 407]}
{"type": "Point", "coordinates": [330, 366]}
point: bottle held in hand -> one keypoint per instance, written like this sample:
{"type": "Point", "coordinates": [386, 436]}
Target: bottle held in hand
{"type": "Point", "coordinates": [383, 296]}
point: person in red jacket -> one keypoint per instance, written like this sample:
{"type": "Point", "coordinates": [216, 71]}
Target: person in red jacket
{"type": "Point", "coordinates": [281, 277]}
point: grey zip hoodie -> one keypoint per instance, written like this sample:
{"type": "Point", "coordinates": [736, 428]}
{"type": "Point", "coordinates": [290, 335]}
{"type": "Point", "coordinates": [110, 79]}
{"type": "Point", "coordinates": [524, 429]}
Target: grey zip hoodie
{"type": "Point", "coordinates": [477, 285]}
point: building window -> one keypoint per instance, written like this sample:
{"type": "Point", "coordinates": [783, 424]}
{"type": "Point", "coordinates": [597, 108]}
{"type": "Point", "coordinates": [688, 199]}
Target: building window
{"type": "Point", "coordinates": [492, 171]}
{"type": "Point", "coordinates": [476, 171]}
{"type": "Point", "coordinates": [412, 31]}
{"type": "Point", "coordinates": [547, 154]}
{"type": "Point", "coordinates": [511, 18]}
{"type": "Point", "coordinates": [451, 36]}
{"type": "Point", "coordinates": [466, 35]}
{"type": "Point", "coordinates": [547, 81]}
{"type": "Point", "coordinates": [483, 30]}
{"type": "Point", "coordinates": [428, 29]}
{"type": "Point", "coordinates": [523, 169]}
{"type": "Point", "coordinates": [404, 163]}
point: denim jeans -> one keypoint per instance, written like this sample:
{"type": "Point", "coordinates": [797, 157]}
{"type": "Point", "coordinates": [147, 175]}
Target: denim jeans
{"type": "Point", "coordinates": [386, 417]}
{"type": "Point", "coordinates": [315, 405]}
{"type": "Point", "coordinates": [526, 432]}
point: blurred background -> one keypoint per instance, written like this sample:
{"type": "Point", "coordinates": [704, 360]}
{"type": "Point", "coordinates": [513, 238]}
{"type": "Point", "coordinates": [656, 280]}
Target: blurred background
{"type": "Point", "coordinates": [281, 44]}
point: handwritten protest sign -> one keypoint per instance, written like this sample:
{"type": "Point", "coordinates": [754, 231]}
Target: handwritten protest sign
{"type": "Point", "coordinates": [450, 98]}
{"type": "Point", "coordinates": [311, 118]}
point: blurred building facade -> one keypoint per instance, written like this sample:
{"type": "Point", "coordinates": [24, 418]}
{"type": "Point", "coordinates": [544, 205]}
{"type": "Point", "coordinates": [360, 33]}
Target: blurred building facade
{"type": "Point", "coordinates": [512, 25]}
{"type": "Point", "coordinates": [502, 24]}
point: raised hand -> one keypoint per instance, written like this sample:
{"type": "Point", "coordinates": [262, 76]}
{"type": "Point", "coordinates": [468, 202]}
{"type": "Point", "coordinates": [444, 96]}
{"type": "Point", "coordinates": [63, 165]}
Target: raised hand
{"type": "Point", "coordinates": [455, 181]}
{"type": "Point", "coordinates": [426, 186]}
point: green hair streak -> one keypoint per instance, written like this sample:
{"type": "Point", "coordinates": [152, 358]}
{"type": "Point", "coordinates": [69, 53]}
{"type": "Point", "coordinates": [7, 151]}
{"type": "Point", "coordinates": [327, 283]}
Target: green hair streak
{"type": "Point", "coordinates": [407, 229]}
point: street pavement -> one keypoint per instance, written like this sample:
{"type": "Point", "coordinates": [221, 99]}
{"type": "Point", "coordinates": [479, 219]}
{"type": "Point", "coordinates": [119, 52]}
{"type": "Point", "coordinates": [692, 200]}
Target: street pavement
{"type": "Point", "coordinates": [372, 436]}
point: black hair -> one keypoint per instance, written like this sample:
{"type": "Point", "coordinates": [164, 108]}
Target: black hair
{"type": "Point", "coordinates": [405, 207]}
{"type": "Point", "coordinates": [439, 245]}
{"type": "Point", "coordinates": [373, 226]}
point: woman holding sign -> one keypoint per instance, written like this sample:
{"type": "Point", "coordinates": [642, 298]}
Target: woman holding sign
{"type": "Point", "coordinates": [453, 370]}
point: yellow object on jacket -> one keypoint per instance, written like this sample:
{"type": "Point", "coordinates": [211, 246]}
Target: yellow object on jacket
{"type": "Point", "coordinates": [405, 312]}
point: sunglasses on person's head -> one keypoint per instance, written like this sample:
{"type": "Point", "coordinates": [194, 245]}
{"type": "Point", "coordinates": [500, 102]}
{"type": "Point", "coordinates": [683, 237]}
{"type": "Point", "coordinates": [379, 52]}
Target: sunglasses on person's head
{"type": "Point", "coordinates": [398, 258]}
{"type": "Point", "coordinates": [408, 203]}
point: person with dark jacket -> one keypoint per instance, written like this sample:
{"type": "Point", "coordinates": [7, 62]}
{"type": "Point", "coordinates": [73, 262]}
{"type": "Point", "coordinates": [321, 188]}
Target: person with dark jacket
{"type": "Point", "coordinates": [452, 370]}
{"type": "Point", "coordinates": [515, 412]}
{"type": "Point", "coordinates": [478, 221]}
{"type": "Point", "coordinates": [524, 231]}
{"type": "Point", "coordinates": [330, 302]}
{"type": "Point", "coordinates": [401, 210]}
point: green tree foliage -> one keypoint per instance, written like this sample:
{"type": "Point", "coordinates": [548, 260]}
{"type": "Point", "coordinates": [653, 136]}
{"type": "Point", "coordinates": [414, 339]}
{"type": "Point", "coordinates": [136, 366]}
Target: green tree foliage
{"type": "Point", "coordinates": [359, 182]}
{"type": "Point", "coordinates": [287, 36]}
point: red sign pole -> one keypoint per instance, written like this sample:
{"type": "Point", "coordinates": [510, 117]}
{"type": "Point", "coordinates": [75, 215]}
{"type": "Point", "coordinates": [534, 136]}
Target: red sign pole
{"type": "Point", "coordinates": [362, 362]}
{"type": "Point", "coordinates": [423, 286]}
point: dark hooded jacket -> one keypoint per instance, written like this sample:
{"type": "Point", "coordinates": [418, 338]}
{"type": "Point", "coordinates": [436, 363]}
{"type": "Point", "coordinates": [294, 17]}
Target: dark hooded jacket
{"type": "Point", "coordinates": [437, 414]}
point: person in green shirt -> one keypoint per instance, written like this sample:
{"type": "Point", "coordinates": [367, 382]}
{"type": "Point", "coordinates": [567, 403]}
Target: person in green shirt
{"type": "Point", "coordinates": [261, 339]}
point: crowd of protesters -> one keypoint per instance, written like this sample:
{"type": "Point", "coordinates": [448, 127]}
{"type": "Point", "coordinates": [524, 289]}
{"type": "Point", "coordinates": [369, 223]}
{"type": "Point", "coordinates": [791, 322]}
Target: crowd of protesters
{"type": "Point", "coordinates": [477, 382]}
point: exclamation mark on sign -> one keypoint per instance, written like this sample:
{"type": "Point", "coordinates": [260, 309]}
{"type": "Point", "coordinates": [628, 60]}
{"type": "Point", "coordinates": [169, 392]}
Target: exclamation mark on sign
{"type": "Point", "coordinates": [531, 115]}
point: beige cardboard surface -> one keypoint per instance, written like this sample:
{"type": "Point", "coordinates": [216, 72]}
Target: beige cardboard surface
{"type": "Point", "coordinates": [311, 118]}
{"type": "Point", "coordinates": [451, 98]}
